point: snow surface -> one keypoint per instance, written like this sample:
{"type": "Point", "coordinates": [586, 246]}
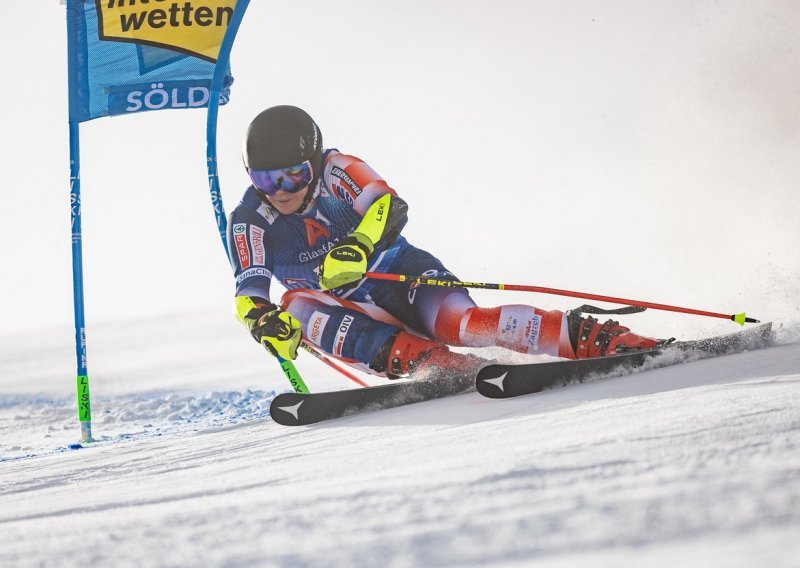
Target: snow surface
{"type": "Point", "coordinates": [697, 464]}
{"type": "Point", "coordinates": [657, 148]}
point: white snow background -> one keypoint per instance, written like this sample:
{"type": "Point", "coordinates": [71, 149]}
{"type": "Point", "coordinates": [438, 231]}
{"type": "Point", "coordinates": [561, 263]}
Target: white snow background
{"type": "Point", "coordinates": [638, 149]}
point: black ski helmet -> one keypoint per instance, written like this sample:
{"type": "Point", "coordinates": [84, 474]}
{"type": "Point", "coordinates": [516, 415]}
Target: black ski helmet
{"type": "Point", "coordinates": [283, 136]}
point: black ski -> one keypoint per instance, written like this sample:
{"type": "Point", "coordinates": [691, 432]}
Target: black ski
{"type": "Point", "coordinates": [295, 409]}
{"type": "Point", "coordinates": [506, 381]}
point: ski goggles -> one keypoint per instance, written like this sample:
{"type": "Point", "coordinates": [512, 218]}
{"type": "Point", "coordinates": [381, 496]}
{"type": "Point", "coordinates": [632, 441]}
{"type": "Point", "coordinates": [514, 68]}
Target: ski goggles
{"type": "Point", "coordinates": [290, 180]}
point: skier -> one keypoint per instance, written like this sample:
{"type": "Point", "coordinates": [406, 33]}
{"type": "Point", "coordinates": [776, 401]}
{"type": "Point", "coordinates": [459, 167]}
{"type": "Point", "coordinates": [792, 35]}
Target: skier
{"type": "Point", "coordinates": [318, 220]}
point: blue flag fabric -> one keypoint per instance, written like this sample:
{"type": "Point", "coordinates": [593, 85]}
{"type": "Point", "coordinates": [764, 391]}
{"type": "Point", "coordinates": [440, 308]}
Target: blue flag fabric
{"type": "Point", "coordinates": [129, 56]}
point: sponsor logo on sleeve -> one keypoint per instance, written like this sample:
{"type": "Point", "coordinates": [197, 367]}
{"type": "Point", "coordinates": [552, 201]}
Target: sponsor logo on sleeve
{"type": "Point", "coordinates": [344, 195]}
{"type": "Point", "coordinates": [342, 175]}
{"type": "Point", "coordinates": [519, 325]}
{"type": "Point", "coordinates": [532, 332]}
{"type": "Point", "coordinates": [510, 325]}
{"type": "Point", "coordinates": [344, 187]}
{"type": "Point", "coordinates": [257, 242]}
{"type": "Point", "coordinates": [250, 272]}
{"type": "Point", "coordinates": [240, 241]}
{"type": "Point", "coordinates": [341, 333]}
{"type": "Point", "coordinates": [316, 325]}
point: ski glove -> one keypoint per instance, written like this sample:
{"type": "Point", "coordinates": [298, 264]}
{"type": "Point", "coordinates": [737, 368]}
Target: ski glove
{"type": "Point", "coordinates": [270, 326]}
{"type": "Point", "coordinates": [345, 263]}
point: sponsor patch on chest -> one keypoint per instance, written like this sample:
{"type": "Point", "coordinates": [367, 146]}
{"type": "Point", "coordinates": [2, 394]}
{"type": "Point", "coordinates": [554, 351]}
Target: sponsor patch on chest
{"type": "Point", "coordinates": [267, 212]}
{"type": "Point", "coordinates": [257, 242]}
{"type": "Point", "coordinates": [240, 241]}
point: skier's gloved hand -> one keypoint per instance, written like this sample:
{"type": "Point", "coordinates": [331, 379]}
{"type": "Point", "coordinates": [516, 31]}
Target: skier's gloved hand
{"type": "Point", "coordinates": [590, 338]}
{"type": "Point", "coordinates": [269, 325]}
{"type": "Point", "coordinates": [345, 263]}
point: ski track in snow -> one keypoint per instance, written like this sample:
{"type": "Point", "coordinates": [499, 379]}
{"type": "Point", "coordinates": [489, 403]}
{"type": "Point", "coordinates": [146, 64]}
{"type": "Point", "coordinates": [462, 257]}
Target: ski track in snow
{"type": "Point", "coordinates": [694, 464]}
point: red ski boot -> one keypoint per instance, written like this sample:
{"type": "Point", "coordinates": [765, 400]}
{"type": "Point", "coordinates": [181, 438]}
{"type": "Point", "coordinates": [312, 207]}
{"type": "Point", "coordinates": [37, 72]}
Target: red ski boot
{"type": "Point", "coordinates": [590, 339]}
{"type": "Point", "coordinates": [406, 355]}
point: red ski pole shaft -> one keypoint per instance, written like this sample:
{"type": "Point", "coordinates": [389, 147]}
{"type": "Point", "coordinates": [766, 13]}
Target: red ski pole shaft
{"type": "Point", "coordinates": [425, 281]}
{"type": "Point", "coordinates": [331, 364]}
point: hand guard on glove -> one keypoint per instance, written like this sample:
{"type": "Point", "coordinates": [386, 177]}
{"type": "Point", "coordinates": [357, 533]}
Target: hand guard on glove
{"type": "Point", "coordinates": [269, 325]}
{"type": "Point", "coordinates": [345, 263]}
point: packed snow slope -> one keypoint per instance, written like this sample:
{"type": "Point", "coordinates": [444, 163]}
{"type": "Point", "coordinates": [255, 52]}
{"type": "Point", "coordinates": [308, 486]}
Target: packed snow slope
{"type": "Point", "coordinates": [640, 149]}
{"type": "Point", "coordinates": [696, 464]}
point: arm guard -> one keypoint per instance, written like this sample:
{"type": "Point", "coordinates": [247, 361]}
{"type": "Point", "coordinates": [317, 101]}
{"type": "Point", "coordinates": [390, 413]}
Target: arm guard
{"type": "Point", "coordinates": [382, 222]}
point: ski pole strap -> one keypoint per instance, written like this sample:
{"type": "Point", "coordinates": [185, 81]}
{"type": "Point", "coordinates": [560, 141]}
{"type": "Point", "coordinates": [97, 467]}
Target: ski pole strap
{"type": "Point", "coordinates": [588, 309]}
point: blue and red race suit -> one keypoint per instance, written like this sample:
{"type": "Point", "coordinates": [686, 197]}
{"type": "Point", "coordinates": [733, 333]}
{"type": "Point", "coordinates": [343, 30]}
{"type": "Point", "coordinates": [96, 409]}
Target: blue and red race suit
{"type": "Point", "coordinates": [353, 323]}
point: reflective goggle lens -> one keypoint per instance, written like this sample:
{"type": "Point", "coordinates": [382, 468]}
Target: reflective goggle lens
{"type": "Point", "coordinates": [290, 180]}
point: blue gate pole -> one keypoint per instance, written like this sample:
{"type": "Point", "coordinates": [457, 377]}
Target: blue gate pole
{"type": "Point", "coordinates": [84, 400]}
{"type": "Point", "coordinates": [288, 368]}
{"type": "Point", "coordinates": [220, 70]}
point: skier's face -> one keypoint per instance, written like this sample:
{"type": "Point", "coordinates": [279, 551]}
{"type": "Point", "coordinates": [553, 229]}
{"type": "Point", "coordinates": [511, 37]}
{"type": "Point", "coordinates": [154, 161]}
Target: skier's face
{"type": "Point", "coordinates": [288, 203]}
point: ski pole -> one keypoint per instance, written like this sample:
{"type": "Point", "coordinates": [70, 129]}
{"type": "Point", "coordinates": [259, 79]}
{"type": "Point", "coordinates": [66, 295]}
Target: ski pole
{"type": "Point", "coordinates": [331, 364]}
{"type": "Point", "coordinates": [741, 318]}
{"type": "Point", "coordinates": [293, 376]}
